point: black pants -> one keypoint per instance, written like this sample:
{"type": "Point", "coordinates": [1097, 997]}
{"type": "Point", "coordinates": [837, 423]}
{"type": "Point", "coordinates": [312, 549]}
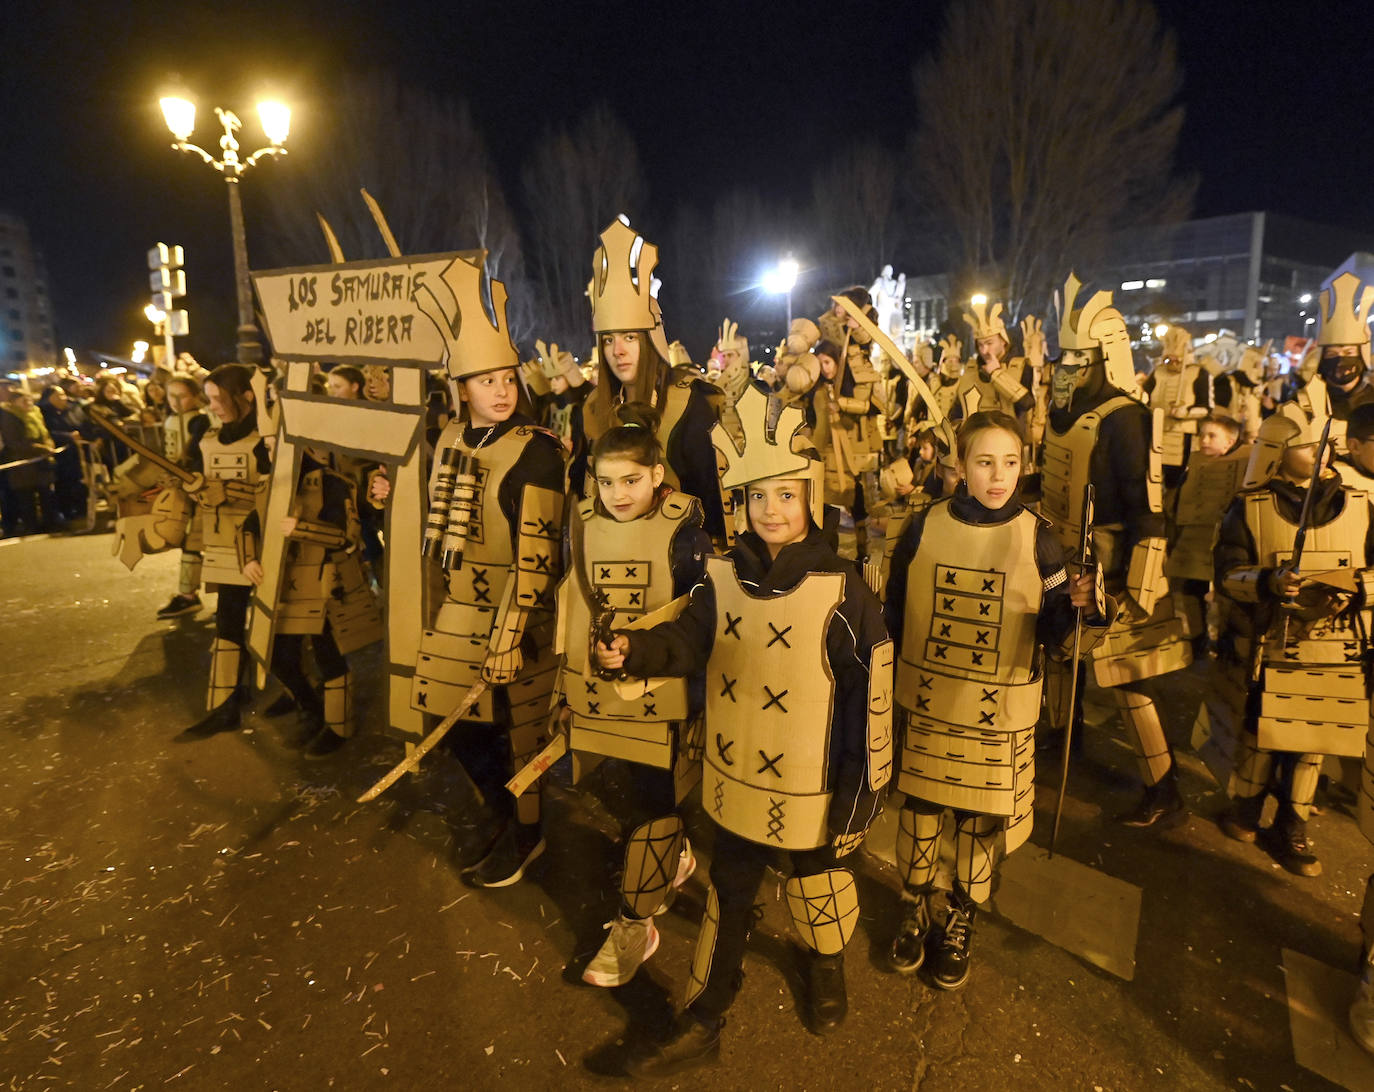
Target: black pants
{"type": "Point", "coordinates": [286, 663]}
{"type": "Point", "coordinates": [231, 613]}
{"type": "Point", "coordinates": [737, 868]}
{"type": "Point", "coordinates": [484, 750]}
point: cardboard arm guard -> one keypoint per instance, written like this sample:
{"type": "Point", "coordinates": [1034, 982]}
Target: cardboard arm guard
{"type": "Point", "coordinates": [1008, 386]}
{"type": "Point", "coordinates": [538, 547]}
{"type": "Point", "coordinates": [1145, 578]}
{"type": "Point", "coordinates": [319, 534]}
{"type": "Point", "coordinates": [880, 715]}
{"type": "Point", "coordinates": [1245, 585]}
{"type": "Point", "coordinates": [856, 406]}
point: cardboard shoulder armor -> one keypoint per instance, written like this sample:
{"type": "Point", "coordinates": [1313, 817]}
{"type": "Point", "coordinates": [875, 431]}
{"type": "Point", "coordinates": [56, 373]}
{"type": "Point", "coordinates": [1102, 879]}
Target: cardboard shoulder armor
{"type": "Point", "coordinates": [675, 401]}
{"type": "Point", "coordinates": [968, 646]}
{"type": "Point", "coordinates": [770, 700]}
{"type": "Point", "coordinates": [630, 564]}
{"type": "Point", "coordinates": [1067, 459]}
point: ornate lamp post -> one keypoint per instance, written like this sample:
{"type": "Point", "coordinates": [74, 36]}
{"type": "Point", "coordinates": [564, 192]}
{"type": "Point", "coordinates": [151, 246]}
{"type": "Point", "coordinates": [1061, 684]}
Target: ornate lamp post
{"type": "Point", "coordinates": [276, 123]}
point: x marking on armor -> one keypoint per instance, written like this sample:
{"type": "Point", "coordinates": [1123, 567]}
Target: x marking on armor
{"type": "Point", "coordinates": [946, 604]}
{"type": "Point", "coordinates": [422, 700]}
{"type": "Point", "coordinates": [1342, 563]}
{"type": "Point", "coordinates": [631, 570]}
{"type": "Point", "coordinates": [547, 528]}
{"type": "Point", "coordinates": [989, 695]}
{"type": "Point", "coordinates": [770, 764]}
{"type": "Point", "coordinates": [779, 635]}
{"type": "Point", "coordinates": [922, 704]}
{"type": "Point", "coordinates": [951, 578]}
{"type": "Point", "coordinates": [479, 576]}
{"type": "Point", "coordinates": [291, 584]}
{"type": "Point", "coordinates": [591, 687]}
{"type": "Point", "coordinates": [541, 563]}
{"type": "Point", "coordinates": [981, 636]}
{"type": "Point", "coordinates": [989, 585]}
{"type": "Point", "coordinates": [942, 652]}
{"type": "Point", "coordinates": [731, 626]}
{"type": "Point", "coordinates": [728, 686]}
{"type": "Point", "coordinates": [605, 573]}
{"type": "Point", "coordinates": [945, 629]}
{"type": "Point", "coordinates": [483, 594]}
{"type": "Point", "coordinates": [984, 608]}
{"type": "Point", "coordinates": [723, 749]}
{"type": "Point", "coordinates": [775, 699]}
{"type": "Point", "coordinates": [977, 658]}
{"type": "Point", "coordinates": [984, 718]}
{"type": "Point", "coordinates": [593, 707]}
{"type": "Point", "coordinates": [634, 599]}
{"type": "Point", "coordinates": [926, 682]}
{"type": "Point", "coordinates": [650, 710]}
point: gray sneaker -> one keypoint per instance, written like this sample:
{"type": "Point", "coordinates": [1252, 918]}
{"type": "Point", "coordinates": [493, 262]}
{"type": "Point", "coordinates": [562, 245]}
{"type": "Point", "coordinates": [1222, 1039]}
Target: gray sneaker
{"type": "Point", "coordinates": [630, 943]}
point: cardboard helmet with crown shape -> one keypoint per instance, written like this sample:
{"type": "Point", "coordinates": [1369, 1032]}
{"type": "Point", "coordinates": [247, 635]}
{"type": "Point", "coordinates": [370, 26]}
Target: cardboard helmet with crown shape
{"type": "Point", "coordinates": [623, 291]}
{"type": "Point", "coordinates": [475, 340]}
{"type": "Point", "coordinates": [789, 454]}
{"type": "Point", "coordinates": [985, 320]}
{"type": "Point", "coordinates": [1345, 305]}
{"type": "Point", "coordinates": [1177, 345]}
{"type": "Point", "coordinates": [1291, 425]}
{"type": "Point", "coordinates": [1096, 324]}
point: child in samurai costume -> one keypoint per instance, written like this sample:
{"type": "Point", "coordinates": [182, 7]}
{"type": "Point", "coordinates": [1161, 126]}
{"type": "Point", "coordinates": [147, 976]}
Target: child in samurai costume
{"type": "Point", "coordinates": [496, 496]}
{"type": "Point", "coordinates": [977, 595]}
{"type": "Point", "coordinates": [798, 714]}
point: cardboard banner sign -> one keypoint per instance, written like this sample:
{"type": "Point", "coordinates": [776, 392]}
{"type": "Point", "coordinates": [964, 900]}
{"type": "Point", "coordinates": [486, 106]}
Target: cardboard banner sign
{"type": "Point", "coordinates": [354, 312]}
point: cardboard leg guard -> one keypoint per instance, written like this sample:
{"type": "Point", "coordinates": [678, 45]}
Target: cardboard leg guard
{"type": "Point", "coordinates": [1057, 686]}
{"type": "Point", "coordinates": [918, 846]}
{"type": "Point", "coordinates": [338, 705]}
{"type": "Point", "coordinates": [188, 577]}
{"type": "Point", "coordinates": [1145, 733]}
{"type": "Point", "coordinates": [225, 657]}
{"type": "Point", "coordinates": [825, 909]}
{"type": "Point", "coordinates": [527, 739]}
{"type": "Point", "coordinates": [651, 857]}
{"type": "Point", "coordinates": [1254, 768]}
{"type": "Point", "coordinates": [975, 854]}
{"type": "Point", "coordinates": [1302, 784]}
{"type": "Point", "coordinates": [705, 949]}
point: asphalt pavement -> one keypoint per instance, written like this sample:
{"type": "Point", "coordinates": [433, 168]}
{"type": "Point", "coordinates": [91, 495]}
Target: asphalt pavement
{"type": "Point", "coordinates": [223, 914]}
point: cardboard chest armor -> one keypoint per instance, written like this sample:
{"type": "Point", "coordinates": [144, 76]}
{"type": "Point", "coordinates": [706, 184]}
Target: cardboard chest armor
{"type": "Point", "coordinates": [1207, 491]}
{"type": "Point", "coordinates": [1174, 389]}
{"type": "Point", "coordinates": [630, 564]}
{"type": "Point", "coordinates": [1314, 698]}
{"type": "Point", "coordinates": [769, 703]}
{"type": "Point", "coordinates": [220, 524]}
{"type": "Point", "coordinates": [176, 434]}
{"type": "Point", "coordinates": [1067, 465]}
{"type": "Point", "coordinates": [967, 679]}
{"type": "Point", "coordinates": [453, 648]}
{"type": "Point", "coordinates": [1001, 392]}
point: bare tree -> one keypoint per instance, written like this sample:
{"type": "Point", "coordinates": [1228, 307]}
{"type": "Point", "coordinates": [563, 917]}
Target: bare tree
{"type": "Point", "coordinates": [576, 181]}
{"type": "Point", "coordinates": [1045, 125]}
{"type": "Point", "coordinates": [420, 155]}
{"type": "Point", "coordinates": [854, 212]}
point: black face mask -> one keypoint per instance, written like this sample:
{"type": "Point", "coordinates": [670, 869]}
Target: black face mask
{"type": "Point", "coordinates": [1340, 370]}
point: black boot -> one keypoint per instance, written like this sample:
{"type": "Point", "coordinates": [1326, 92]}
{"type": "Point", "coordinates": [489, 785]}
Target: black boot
{"type": "Point", "coordinates": [949, 963]}
{"type": "Point", "coordinates": [1287, 841]}
{"type": "Point", "coordinates": [309, 724]}
{"type": "Point", "coordinates": [1242, 821]}
{"type": "Point", "coordinates": [517, 847]}
{"type": "Point", "coordinates": [222, 718]}
{"type": "Point", "coordinates": [691, 1042]}
{"type": "Point", "coordinates": [1161, 805]}
{"type": "Point", "coordinates": [909, 946]}
{"type": "Point", "coordinates": [827, 1004]}
{"type": "Point", "coordinates": [284, 703]}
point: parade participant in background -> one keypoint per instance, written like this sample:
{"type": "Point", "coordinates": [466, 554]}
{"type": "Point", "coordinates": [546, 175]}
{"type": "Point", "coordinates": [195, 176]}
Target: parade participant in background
{"type": "Point", "coordinates": [1356, 466]}
{"type": "Point", "coordinates": [235, 463]}
{"type": "Point", "coordinates": [1292, 554]}
{"type": "Point", "coordinates": [324, 596]}
{"type": "Point", "coordinates": [497, 491]}
{"type": "Point", "coordinates": [798, 707]}
{"type": "Point", "coordinates": [1180, 393]}
{"type": "Point", "coordinates": [834, 323]}
{"type": "Point", "coordinates": [553, 381]}
{"type": "Point", "coordinates": [1239, 392]}
{"type": "Point", "coordinates": [1216, 467]}
{"type": "Point", "coordinates": [949, 372]}
{"type": "Point", "coordinates": [1340, 383]}
{"type": "Point", "coordinates": [633, 549]}
{"type": "Point", "coordinates": [1099, 434]}
{"type": "Point", "coordinates": [155, 407]}
{"type": "Point", "coordinates": [186, 421]}
{"type": "Point", "coordinates": [963, 681]}
{"type": "Point", "coordinates": [992, 381]}
{"type": "Point", "coordinates": [369, 477]}
{"type": "Point", "coordinates": [634, 367]}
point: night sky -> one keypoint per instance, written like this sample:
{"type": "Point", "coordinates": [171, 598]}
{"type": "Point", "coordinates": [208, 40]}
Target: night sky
{"type": "Point", "coordinates": [717, 95]}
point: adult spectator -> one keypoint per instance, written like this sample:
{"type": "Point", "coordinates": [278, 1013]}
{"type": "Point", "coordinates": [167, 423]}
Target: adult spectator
{"type": "Point", "coordinates": [64, 422]}
{"type": "Point", "coordinates": [28, 496]}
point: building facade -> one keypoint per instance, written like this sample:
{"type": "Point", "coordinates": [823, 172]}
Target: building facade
{"type": "Point", "coordinates": [27, 337]}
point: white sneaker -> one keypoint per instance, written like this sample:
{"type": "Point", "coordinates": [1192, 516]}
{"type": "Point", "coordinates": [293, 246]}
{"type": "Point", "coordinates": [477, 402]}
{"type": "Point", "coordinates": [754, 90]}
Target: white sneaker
{"type": "Point", "coordinates": [686, 865]}
{"type": "Point", "coordinates": [630, 943]}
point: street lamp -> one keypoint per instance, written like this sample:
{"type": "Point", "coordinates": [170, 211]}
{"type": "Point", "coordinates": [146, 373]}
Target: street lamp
{"type": "Point", "coordinates": [978, 299]}
{"type": "Point", "coordinates": [180, 115]}
{"type": "Point", "coordinates": [780, 280]}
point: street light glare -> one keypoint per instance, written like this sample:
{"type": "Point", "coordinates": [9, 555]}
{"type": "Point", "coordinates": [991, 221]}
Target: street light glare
{"type": "Point", "coordinates": [978, 299]}
{"type": "Point", "coordinates": [153, 314]}
{"type": "Point", "coordinates": [180, 115]}
{"type": "Point", "coordinates": [1161, 329]}
{"type": "Point", "coordinates": [276, 120]}
{"type": "Point", "coordinates": [781, 279]}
